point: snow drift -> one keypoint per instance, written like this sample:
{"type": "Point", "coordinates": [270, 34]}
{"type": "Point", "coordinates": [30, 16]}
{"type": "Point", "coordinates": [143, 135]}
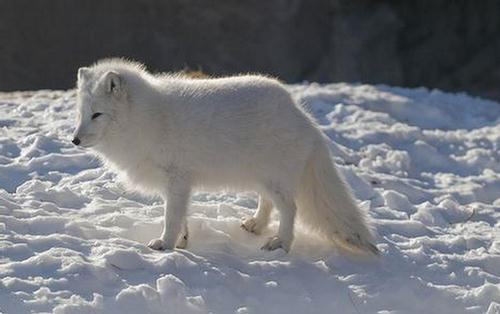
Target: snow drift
{"type": "Point", "coordinates": [424, 164]}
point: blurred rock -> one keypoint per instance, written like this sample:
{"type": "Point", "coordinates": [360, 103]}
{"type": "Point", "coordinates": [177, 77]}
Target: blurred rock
{"type": "Point", "coordinates": [452, 45]}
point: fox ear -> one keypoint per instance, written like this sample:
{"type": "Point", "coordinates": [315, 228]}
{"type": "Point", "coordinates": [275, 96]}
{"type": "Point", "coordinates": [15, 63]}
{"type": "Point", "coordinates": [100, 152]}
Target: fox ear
{"type": "Point", "coordinates": [83, 73]}
{"type": "Point", "coordinates": [112, 82]}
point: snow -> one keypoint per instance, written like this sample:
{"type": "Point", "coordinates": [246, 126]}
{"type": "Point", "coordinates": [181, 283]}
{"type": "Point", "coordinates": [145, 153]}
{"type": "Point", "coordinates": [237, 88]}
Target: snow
{"type": "Point", "coordinates": [425, 164]}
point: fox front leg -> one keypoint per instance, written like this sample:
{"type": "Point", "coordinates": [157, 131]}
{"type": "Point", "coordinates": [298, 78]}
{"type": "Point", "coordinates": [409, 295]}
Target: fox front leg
{"type": "Point", "coordinates": [177, 199]}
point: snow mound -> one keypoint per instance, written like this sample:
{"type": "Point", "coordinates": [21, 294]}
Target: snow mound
{"type": "Point", "coordinates": [424, 164]}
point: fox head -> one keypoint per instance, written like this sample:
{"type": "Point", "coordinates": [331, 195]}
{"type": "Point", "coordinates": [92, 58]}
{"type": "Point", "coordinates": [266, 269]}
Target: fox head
{"type": "Point", "coordinates": [98, 96]}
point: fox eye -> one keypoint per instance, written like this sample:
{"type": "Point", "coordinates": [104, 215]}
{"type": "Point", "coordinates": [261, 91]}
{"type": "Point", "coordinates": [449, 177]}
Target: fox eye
{"type": "Point", "coordinates": [95, 115]}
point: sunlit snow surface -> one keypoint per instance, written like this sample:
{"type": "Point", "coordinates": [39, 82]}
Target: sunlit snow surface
{"type": "Point", "coordinates": [425, 164]}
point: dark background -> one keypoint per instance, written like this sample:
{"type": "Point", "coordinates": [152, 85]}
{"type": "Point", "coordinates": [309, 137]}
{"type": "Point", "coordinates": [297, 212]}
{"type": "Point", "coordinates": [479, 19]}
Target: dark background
{"type": "Point", "coordinates": [451, 45]}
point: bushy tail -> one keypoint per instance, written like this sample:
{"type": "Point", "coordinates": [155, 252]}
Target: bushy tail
{"type": "Point", "coordinates": [326, 205]}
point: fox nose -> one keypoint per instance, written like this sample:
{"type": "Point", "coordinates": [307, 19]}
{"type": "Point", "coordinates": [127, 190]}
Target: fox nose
{"type": "Point", "coordinates": [76, 141]}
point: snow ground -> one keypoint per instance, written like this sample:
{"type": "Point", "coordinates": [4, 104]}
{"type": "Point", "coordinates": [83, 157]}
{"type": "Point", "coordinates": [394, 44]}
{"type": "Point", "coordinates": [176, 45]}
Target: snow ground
{"type": "Point", "coordinates": [425, 164]}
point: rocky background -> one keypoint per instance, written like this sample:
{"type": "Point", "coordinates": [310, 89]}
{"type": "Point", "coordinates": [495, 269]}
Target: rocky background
{"type": "Point", "coordinates": [451, 45]}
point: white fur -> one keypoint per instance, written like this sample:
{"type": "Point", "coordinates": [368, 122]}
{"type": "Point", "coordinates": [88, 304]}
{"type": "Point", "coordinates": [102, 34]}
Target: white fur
{"type": "Point", "coordinates": [170, 135]}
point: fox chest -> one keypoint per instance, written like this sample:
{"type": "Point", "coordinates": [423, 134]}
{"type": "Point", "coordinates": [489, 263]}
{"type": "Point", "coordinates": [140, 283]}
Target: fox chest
{"type": "Point", "coordinates": [146, 175]}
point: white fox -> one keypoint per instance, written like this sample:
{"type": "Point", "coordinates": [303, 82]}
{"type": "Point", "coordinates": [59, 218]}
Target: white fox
{"type": "Point", "coordinates": [169, 135]}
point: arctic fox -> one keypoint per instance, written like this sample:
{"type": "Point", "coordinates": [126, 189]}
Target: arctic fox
{"type": "Point", "coordinates": [169, 135]}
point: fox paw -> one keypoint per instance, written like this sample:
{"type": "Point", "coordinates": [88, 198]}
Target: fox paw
{"type": "Point", "coordinates": [158, 244]}
{"type": "Point", "coordinates": [252, 225]}
{"type": "Point", "coordinates": [182, 243]}
{"type": "Point", "coordinates": [276, 243]}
